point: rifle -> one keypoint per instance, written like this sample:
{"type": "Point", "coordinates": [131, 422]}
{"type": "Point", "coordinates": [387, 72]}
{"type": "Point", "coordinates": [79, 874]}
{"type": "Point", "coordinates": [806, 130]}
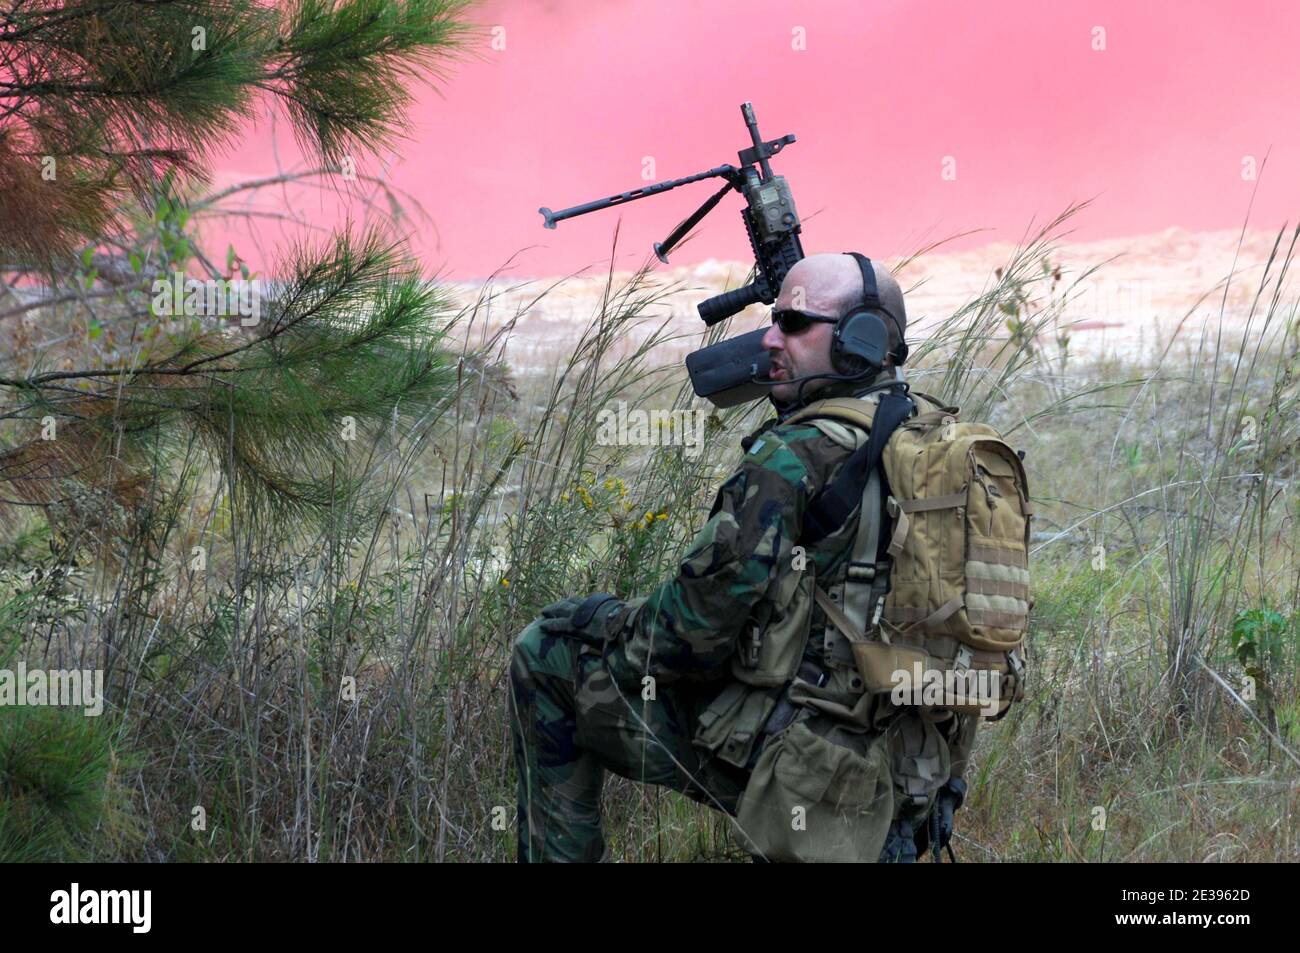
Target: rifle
{"type": "Point", "coordinates": [725, 373]}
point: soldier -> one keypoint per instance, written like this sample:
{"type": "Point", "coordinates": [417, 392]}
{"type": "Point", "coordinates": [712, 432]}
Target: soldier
{"type": "Point", "coordinates": [726, 683]}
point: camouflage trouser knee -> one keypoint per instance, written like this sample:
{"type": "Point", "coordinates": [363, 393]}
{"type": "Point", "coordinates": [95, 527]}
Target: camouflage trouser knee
{"type": "Point", "coordinates": [571, 722]}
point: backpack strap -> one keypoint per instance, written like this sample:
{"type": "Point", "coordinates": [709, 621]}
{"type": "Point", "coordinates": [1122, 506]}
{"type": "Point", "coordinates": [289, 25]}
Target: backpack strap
{"type": "Point", "coordinates": [855, 606]}
{"type": "Point", "coordinates": [830, 509]}
{"type": "Point", "coordinates": [852, 409]}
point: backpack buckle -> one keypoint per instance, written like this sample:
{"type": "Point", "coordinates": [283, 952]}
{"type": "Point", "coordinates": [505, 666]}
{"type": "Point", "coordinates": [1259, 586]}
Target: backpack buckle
{"type": "Point", "coordinates": [879, 611]}
{"type": "Point", "coordinates": [1016, 674]}
{"type": "Point", "coordinates": [880, 590]}
{"type": "Point", "coordinates": [964, 660]}
{"type": "Point", "coordinates": [861, 572]}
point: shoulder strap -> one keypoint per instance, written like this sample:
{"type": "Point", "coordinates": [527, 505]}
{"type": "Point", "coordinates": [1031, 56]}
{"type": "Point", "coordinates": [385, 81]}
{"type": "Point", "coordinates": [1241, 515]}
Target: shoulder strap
{"type": "Point", "coordinates": [850, 409]}
{"type": "Point", "coordinates": [830, 509]}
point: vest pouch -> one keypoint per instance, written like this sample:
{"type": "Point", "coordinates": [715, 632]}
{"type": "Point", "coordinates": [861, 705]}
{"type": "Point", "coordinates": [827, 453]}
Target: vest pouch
{"type": "Point", "coordinates": [730, 724]}
{"type": "Point", "coordinates": [769, 653]}
{"type": "Point", "coordinates": [920, 762]}
{"type": "Point", "coordinates": [817, 797]}
{"type": "Point", "coordinates": [877, 664]}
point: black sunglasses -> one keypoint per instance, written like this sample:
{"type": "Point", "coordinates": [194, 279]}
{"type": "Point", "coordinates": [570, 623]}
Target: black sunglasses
{"type": "Point", "coordinates": [792, 322]}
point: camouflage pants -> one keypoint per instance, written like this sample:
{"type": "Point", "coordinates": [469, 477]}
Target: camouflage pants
{"type": "Point", "coordinates": [571, 723]}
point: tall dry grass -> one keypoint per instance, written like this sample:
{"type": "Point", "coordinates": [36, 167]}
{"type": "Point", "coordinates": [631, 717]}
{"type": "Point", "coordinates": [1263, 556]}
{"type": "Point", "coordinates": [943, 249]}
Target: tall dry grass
{"type": "Point", "coordinates": [338, 693]}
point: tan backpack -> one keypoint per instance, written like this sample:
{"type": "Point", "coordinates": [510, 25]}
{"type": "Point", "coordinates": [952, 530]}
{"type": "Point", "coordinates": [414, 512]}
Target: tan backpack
{"type": "Point", "coordinates": [940, 621]}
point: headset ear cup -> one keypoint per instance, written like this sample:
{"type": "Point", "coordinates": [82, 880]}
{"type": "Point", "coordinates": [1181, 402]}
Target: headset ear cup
{"type": "Point", "coordinates": [839, 360]}
{"type": "Point", "coordinates": [860, 342]}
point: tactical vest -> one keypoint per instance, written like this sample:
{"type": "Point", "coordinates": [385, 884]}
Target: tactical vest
{"type": "Point", "coordinates": [770, 652]}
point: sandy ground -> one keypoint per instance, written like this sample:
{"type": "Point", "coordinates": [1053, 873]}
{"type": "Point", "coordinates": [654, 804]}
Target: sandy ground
{"type": "Point", "coordinates": [1143, 289]}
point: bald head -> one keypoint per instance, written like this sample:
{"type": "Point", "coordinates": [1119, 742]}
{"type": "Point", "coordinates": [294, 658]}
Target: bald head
{"type": "Point", "coordinates": [830, 284]}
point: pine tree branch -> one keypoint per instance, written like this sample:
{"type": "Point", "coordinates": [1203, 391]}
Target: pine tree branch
{"type": "Point", "coordinates": [70, 16]}
{"type": "Point", "coordinates": [115, 92]}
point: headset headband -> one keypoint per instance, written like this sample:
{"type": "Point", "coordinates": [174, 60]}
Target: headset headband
{"type": "Point", "coordinates": [870, 291]}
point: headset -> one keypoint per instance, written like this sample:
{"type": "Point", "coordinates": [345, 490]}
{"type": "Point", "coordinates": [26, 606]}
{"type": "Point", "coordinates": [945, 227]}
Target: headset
{"type": "Point", "coordinates": [860, 340]}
